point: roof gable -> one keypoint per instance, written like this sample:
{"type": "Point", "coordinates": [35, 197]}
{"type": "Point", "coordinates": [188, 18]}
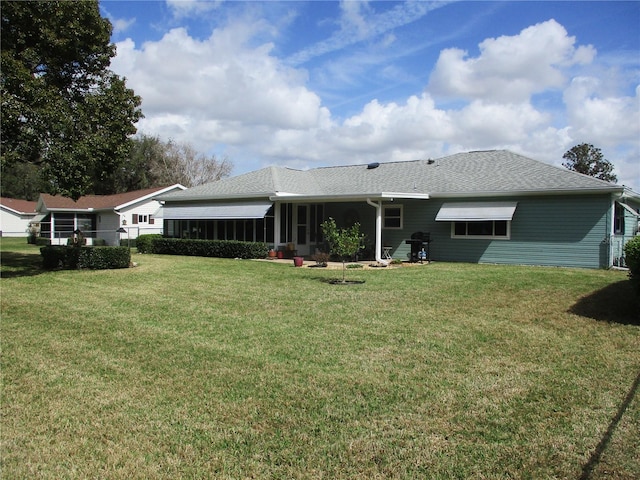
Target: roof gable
{"type": "Point", "coordinates": [99, 202]}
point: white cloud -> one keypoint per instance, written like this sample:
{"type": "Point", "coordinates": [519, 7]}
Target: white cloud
{"type": "Point", "coordinates": [225, 93]}
{"type": "Point", "coordinates": [510, 69]}
{"type": "Point", "coordinates": [610, 119]}
{"type": "Point", "coordinates": [219, 79]}
{"type": "Point", "coordinates": [359, 22]}
{"type": "Point", "coordinates": [121, 25]}
{"type": "Point", "coordinates": [189, 8]}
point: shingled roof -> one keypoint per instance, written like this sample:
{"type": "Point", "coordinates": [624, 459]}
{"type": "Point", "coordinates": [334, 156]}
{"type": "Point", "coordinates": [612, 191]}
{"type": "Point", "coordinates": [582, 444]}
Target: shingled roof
{"type": "Point", "coordinates": [481, 173]}
{"type": "Point", "coordinates": [19, 206]}
{"type": "Point", "coordinates": [49, 202]}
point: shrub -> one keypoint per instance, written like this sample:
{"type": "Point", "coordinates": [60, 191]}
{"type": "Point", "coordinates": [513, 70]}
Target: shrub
{"type": "Point", "coordinates": [144, 243]}
{"type": "Point", "coordinates": [53, 257]}
{"type": "Point", "coordinates": [128, 242]}
{"type": "Point", "coordinates": [92, 258]}
{"type": "Point", "coordinates": [321, 258]}
{"type": "Point", "coordinates": [209, 248]}
{"type": "Point", "coordinates": [632, 259]}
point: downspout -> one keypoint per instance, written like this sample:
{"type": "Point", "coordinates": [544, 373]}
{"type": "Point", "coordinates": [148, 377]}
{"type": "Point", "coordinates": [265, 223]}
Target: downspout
{"type": "Point", "coordinates": [378, 207]}
{"type": "Point", "coordinates": [276, 225]}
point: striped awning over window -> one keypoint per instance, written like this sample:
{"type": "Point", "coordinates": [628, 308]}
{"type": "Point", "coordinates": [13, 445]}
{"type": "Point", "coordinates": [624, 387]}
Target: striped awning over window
{"type": "Point", "coordinates": [476, 211]}
{"type": "Point", "coordinates": [217, 211]}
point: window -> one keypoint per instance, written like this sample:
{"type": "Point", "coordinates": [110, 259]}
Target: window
{"type": "Point", "coordinates": [500, 229]}
{"type": "Point", "coordinates": [618, 219]}
{"type": "Point", "coordinates": [392, 216]}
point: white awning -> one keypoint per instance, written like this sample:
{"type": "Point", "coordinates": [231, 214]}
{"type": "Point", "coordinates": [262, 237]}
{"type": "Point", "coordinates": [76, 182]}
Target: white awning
{"type": "Point", "coordinates": [629, 209]}
{"type": "Point", "coordinates": [38, 218]}
{"type": "Point", "coordinates": [216, 211]}
{"type": "Point", "coordinates": [476, 211]}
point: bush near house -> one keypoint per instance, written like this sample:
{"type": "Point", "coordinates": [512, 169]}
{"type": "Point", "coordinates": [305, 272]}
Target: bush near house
{"type": "Point", "coordinates": [632, 259]}
{"type": "Point", "coordinates": [92, 258]}
{"type": "Point", "coordinates": [209, 248]}
{"type": "Point", "coordinates": [144, 243]}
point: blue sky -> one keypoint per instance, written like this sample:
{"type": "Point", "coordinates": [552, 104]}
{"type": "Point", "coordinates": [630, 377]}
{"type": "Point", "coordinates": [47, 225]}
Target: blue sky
{"type": "Point", "coordinates": [308, 84]}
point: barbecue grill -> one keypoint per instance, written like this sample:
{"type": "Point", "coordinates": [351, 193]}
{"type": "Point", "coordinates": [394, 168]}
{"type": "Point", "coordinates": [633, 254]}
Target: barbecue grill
{"type": "Point", "coordinates": [419, 242]}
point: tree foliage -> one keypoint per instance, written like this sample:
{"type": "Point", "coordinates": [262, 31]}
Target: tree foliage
{"type": "Point", "coordinates": [153, 163]}
{"type": "Point", "coordinates": [632, 259]}
{"type": "Point", "coordinates": [63, 110]}
{"type": "Point", "coordinates": [182, 164]}
{"type": "Point", "coordinates": [22, 180]}
{"type": "Point", "coordinates": [344, 242]}
{"type": "Point", "coordinates": [587, 159]}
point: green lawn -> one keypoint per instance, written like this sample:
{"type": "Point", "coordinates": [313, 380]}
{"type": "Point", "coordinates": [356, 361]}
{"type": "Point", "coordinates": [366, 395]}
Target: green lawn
{"type": "Point", "coordinates": [210, 368]}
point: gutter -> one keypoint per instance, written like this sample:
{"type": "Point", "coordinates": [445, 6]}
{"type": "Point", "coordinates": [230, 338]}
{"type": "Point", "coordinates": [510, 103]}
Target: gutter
{"type": "Point", "coordinates": [512, 193]}
{"type": "Point", "coordinates": [349, 198]}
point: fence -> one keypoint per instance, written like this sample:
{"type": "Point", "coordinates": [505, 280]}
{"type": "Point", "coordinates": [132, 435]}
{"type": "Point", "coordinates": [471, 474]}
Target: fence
{"type": "Point", "coordinates": [616, 249]}
{"type": "Point", "coordinates": [111, 237]}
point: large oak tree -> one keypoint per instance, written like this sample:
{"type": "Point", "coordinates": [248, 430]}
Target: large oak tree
{"type": "Point", "coordinates": [63, 110]}
{"type": "Point", "coordinates": [587, 159]}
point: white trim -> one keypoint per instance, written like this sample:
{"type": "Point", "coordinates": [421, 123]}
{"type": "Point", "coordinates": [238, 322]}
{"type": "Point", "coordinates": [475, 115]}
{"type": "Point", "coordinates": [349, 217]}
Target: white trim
{"type": "Point", "coordinates": [149, 196]}
{"type": "Point", "coordinates": [348, 198]}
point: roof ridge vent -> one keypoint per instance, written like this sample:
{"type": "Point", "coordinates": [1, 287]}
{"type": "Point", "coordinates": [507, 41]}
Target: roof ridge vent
{"type": "Point", "coordinates": [373, 165]}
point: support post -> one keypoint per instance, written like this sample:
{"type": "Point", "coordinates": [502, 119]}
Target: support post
{"type": "Point", "coordinates": [378, 207]}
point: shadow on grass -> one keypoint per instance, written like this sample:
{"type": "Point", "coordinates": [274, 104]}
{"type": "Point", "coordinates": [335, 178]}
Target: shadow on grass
{"type": "Point", "coordinates": [618, 303]}
{"type": "Point", "coordinates": [587, 470]}
{"type": "Point", "coordinates": [20, 265]}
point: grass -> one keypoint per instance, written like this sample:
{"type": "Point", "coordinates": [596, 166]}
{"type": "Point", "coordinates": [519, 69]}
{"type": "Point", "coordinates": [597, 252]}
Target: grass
{"type": "Point", "coordinates": [209, 368]}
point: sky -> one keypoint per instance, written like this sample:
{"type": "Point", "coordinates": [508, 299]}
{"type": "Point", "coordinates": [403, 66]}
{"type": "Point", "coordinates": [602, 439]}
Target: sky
{"type": "Point", "coordinates": [319, 83]}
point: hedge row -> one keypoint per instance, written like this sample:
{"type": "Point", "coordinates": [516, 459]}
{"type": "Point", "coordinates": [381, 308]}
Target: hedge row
{"type": "Point", "coordinates": [144, 242]}
{"type": "Point", "coordinates": [92, 258]}
{"type": "Point", "coordinates": [209, 248]}
{"type": "Point", "coordinates": [632, 259]}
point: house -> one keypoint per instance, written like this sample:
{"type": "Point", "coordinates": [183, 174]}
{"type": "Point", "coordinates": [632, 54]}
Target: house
{"type": "Point", "coordinates": [15, 216]}
{"type": "Point", "coordinates": [483, 206]}
{"type": "Point", "coordinates": [100, 216]}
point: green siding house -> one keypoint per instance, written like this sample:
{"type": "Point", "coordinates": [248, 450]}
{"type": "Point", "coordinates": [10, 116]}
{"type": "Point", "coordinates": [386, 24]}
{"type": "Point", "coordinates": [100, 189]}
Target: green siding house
{"type": "Point", "coordinates": [486, 206]}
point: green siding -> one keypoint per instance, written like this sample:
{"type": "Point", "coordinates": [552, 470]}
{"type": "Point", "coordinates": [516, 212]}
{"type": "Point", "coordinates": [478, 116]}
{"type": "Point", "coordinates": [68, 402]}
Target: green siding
{"type": "Point", "coordinates": [562, 231]}
{"type": "Point", "coordinates": [630, 220]}
{"type": "Point", "coordinates": [568, 231]}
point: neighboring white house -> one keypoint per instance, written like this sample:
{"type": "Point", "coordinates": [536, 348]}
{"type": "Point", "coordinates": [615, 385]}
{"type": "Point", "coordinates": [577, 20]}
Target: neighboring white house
{"type": "Point", "coordinates": [101, 216]}
{"type": "Point", "coordinates": [15, 216]}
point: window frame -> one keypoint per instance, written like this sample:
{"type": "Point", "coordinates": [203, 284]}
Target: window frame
{"type": "Point", "coordinates": [400, 217]}
{"type": "Point", "coordinates": [493, 235]}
